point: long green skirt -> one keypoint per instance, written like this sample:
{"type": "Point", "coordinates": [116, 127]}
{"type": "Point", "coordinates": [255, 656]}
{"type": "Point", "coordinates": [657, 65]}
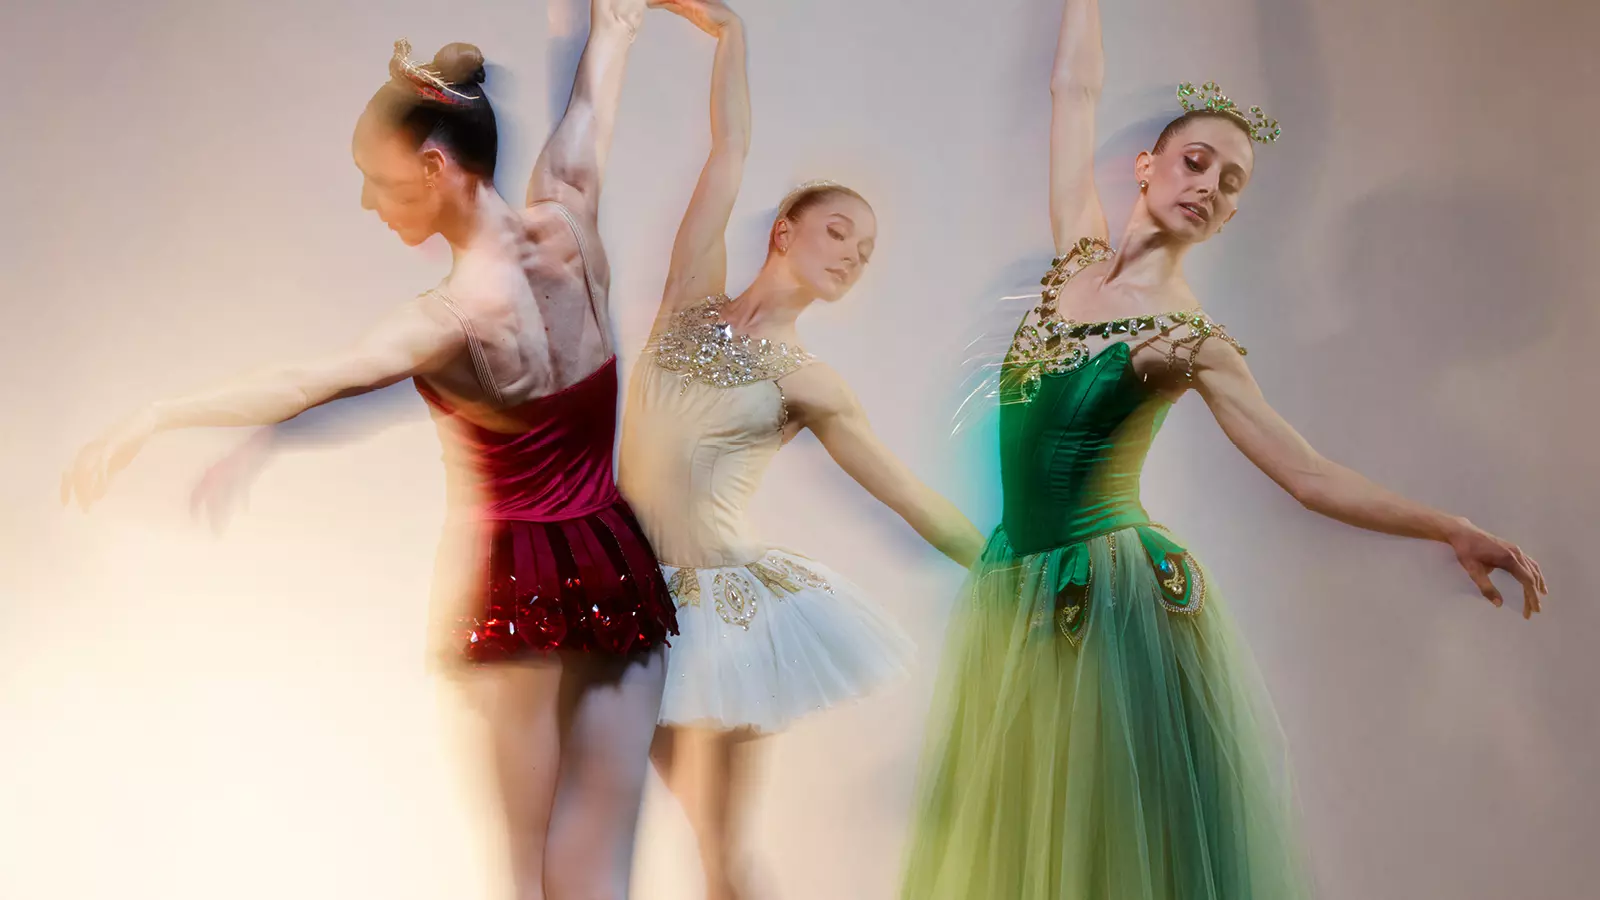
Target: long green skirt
{"type": "Point", "coordinates": [1100, 733]}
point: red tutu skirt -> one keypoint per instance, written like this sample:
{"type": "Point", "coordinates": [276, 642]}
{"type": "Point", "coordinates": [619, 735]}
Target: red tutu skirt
{"type": "Point", "coordinates": [589, 584]}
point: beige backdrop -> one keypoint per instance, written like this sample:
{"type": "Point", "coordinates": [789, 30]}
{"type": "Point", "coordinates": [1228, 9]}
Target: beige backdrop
{"type": "Point", "coordinates": [246, 716]}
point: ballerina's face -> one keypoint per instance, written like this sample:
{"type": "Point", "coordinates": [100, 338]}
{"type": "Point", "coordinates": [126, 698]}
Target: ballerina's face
{"type": "Point", "coordinates": [394, 180]}
{"type": "Point", "coordinates": [1197, 178]}
{"type": "Point", "coordinates": [828, 244]}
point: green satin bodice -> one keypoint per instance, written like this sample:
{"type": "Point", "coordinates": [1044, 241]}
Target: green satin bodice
{"type": "Point", "coordinates": [1075, 424]}
{"type": "Point", "coordinates": [1071, 457]}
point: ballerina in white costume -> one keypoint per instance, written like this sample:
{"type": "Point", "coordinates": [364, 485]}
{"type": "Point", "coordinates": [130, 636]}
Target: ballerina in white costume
{"type": "Point", "coordinates": [765, 635]}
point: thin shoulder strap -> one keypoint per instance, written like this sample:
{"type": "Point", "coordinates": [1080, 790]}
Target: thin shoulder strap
{"type": "Point", "coordinates": [480, 362]}
{"type": "Point", "coordinates": [597, 305]}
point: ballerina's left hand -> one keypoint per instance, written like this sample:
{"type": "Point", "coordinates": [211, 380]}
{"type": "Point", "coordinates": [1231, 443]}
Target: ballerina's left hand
{"type": "Point", "coordinates": [710, 16]}
{"type": "Point", "coordinates": [100, 460]}
{"type": "Point", "coordinates": [225, 486]}
{"type": "Point", "coordinates": [1480, 553]}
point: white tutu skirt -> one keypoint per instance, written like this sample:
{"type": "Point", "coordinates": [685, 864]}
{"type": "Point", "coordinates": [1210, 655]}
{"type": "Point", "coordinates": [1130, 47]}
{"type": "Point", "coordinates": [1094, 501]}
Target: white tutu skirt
{"type": "Point", "coordinates": [763, 644]}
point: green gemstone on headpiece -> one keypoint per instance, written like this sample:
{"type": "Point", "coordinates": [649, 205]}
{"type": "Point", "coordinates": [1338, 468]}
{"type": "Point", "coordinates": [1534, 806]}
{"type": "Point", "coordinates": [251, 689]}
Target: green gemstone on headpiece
{"type": "Point", "coordinates": [1261, 128]}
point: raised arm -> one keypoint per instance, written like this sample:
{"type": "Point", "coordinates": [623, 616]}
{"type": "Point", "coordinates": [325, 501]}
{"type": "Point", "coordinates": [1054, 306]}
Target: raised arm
{"type": "Point", "coordinates": [1332, 490]}
{"type": "Point", "coordinates": [418, 338]}
{"type": "Point", "coordinates": [821, 401]}
{"type": "Point", "coordinates": [699, 266]}
{"type": "Point", "coordinates": [1075, 210]}
{"type": "Point", "coordinates": [573, 160]}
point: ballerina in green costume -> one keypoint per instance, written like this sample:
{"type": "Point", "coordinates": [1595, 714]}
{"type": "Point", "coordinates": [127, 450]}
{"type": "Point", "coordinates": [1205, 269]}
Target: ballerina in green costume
{"type": "Point", "coordinates": [1104, 735]}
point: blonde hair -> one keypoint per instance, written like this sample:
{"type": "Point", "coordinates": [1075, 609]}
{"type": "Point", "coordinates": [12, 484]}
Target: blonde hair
{"type": "Point", "coordinates": [805, 197]}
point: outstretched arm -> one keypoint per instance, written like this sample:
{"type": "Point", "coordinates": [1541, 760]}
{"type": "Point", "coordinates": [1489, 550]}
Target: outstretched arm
{"type": "Point", "coordinates": [1332, 490]}
{"type": "Point", "coordinates": [225, 485]}
{"type": "Point", "coordinates": [1075, 210]}
{"type": "Point", "coordinates": [418, 338]}
{"type": "Point", "coordinates": [699, 266]}
{"type": "Point", "coordinates": [573, 160]}
{"type": "Point", "coordinates": [822, 401]}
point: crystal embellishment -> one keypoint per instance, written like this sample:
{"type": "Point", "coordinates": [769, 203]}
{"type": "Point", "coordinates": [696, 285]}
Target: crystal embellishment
{"type": "Point", "coordinates": [702, 347]}
{"type": "Point", "coordinates": [1047, 344]}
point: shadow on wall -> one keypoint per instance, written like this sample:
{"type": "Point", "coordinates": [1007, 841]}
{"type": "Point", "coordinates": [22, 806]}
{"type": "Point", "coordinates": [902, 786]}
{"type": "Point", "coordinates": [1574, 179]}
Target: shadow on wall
{"type": "Point", "coordinates": [1434, 279]}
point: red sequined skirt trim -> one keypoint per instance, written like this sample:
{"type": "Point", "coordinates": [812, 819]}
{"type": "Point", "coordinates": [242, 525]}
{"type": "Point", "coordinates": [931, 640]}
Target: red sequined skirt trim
{"type": "Point", "coordinates": [589, 584]}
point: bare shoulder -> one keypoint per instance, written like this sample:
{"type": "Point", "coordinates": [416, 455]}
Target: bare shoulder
{"type": "Point", "coordinates": [482, 281]}
{"type": "Point", "coordinates": [817, 390]}
{"type": "Point", "coordinates": [1209, 355]}
{"type": "Point", "coordinates": [428, 306]}
{"type": "Point", "coordinates": [493, 294]}
{"type": "Point", "coordinates": [1212, 342]}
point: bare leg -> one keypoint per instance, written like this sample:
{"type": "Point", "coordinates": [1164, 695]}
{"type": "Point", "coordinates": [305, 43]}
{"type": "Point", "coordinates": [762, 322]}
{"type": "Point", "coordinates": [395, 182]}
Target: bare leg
{"type": "Point", "coordinates": [710, 773]}
{"type": "Point", "coordinates": [610, 707]}
{"type": "Point", "coordinates": [521, 704]}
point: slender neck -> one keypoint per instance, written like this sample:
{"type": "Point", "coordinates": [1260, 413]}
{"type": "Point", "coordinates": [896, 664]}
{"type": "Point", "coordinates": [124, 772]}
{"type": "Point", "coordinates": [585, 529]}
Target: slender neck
{"type": "Point", "coordinates": [1149, 259]}
{"type": "Point", "coordinates": [772, 303]}
{"type": "Point", "coordinates": [476, 222]}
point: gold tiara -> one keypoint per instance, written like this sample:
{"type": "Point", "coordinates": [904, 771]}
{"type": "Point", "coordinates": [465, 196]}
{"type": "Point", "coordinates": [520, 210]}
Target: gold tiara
{"type": "Point", "coordinates": [1209, 98]}
{"type": "Point", "coordinates": [792, 196]}
{"type": "Point", "coordinates": [423, 78]}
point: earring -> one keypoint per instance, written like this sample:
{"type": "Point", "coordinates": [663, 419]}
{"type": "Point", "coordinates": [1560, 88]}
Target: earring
{"type": "Point", "coordinates": [429, 183]}
{"type": "Point", "coordinates": [1144, 185]}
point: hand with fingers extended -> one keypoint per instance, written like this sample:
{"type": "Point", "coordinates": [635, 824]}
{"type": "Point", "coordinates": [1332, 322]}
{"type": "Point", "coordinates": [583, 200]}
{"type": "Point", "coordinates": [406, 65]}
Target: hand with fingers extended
{"type": "Point", "coordinates": [1480, 553]}
{"type": "Point", "coordinates": [710, 16]}
{"type": "Point", "coordinates": [100, 460]}
{"type": "Point", "coordinates": [226, 485]}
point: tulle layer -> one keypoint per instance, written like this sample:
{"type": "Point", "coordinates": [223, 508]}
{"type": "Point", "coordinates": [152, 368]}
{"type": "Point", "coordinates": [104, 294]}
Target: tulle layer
{"type": "Point", "coordinates": [1101, 733]}
{"type": "Point", "coordinates": [763, 644]}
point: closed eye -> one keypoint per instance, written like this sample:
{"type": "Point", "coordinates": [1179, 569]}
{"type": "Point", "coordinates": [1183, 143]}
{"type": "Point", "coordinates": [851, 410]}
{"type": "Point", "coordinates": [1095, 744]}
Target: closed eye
{"type": "Point", "coordinates": [1194, 164]}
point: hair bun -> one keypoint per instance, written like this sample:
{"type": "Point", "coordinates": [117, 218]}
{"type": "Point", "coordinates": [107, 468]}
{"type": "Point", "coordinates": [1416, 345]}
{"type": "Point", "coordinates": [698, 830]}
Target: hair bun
{"type": "Point", "coordinates": [459, 63]}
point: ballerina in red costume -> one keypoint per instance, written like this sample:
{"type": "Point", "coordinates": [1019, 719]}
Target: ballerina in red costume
{"type": "Point", "coordinates": [561, 603]}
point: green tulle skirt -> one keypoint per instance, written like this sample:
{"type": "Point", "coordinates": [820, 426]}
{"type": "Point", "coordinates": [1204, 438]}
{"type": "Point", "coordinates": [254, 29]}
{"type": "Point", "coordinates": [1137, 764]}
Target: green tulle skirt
{"type": "Point", "coordinates": [1100, 733]}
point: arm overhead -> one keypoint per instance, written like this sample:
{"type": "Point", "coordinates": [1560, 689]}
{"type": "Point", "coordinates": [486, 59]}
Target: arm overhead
{"type": "Point", "coordinates": [699, 265]}
{"type": "Point", "coordinates": [1075, 84]}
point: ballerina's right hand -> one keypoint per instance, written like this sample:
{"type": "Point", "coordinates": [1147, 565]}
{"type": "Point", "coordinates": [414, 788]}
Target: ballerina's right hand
{"type": "Point", "coordinates": [91, 472]}
{"type": "Point", "coordinates": [1480, 553]}
{"type": "Point", "coordinates": [710, 16]}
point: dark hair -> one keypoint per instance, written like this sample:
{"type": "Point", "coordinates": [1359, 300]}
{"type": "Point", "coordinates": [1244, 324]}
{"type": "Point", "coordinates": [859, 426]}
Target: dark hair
{"type": "Point", "coordinates": [1180, 123]}
{"type": "Point", "coordinates": [461, 121]}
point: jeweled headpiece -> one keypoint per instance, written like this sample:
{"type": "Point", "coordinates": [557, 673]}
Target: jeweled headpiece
{"type": "Point", "coordinates": [792, 196]}
{"type": "Point", "coordinates": [1209, 98]}
{"type": "Point", "coordinates": [424, 79]}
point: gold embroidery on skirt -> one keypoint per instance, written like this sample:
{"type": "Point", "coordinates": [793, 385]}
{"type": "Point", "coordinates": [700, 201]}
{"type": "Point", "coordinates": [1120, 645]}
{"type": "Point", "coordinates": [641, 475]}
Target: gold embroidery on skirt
{"type": "Point", "coordinates": [733, 593]}
{"type": "Point", "coordinates": [736, 598]}
{"type": "Point", "coordinates": [684, 585]}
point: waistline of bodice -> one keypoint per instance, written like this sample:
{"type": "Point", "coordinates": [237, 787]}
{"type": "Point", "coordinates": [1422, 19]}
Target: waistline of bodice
{"type": "Point", "coordinates": [1029, 537]}
{"type": "Point", "coordinates": [506, 512]}
{"type": "Point", "coordinates": [721, 550]}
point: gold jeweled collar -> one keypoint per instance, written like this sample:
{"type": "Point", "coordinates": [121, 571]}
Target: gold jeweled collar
{"type": "Point", "coordinates": [1047, 344]}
